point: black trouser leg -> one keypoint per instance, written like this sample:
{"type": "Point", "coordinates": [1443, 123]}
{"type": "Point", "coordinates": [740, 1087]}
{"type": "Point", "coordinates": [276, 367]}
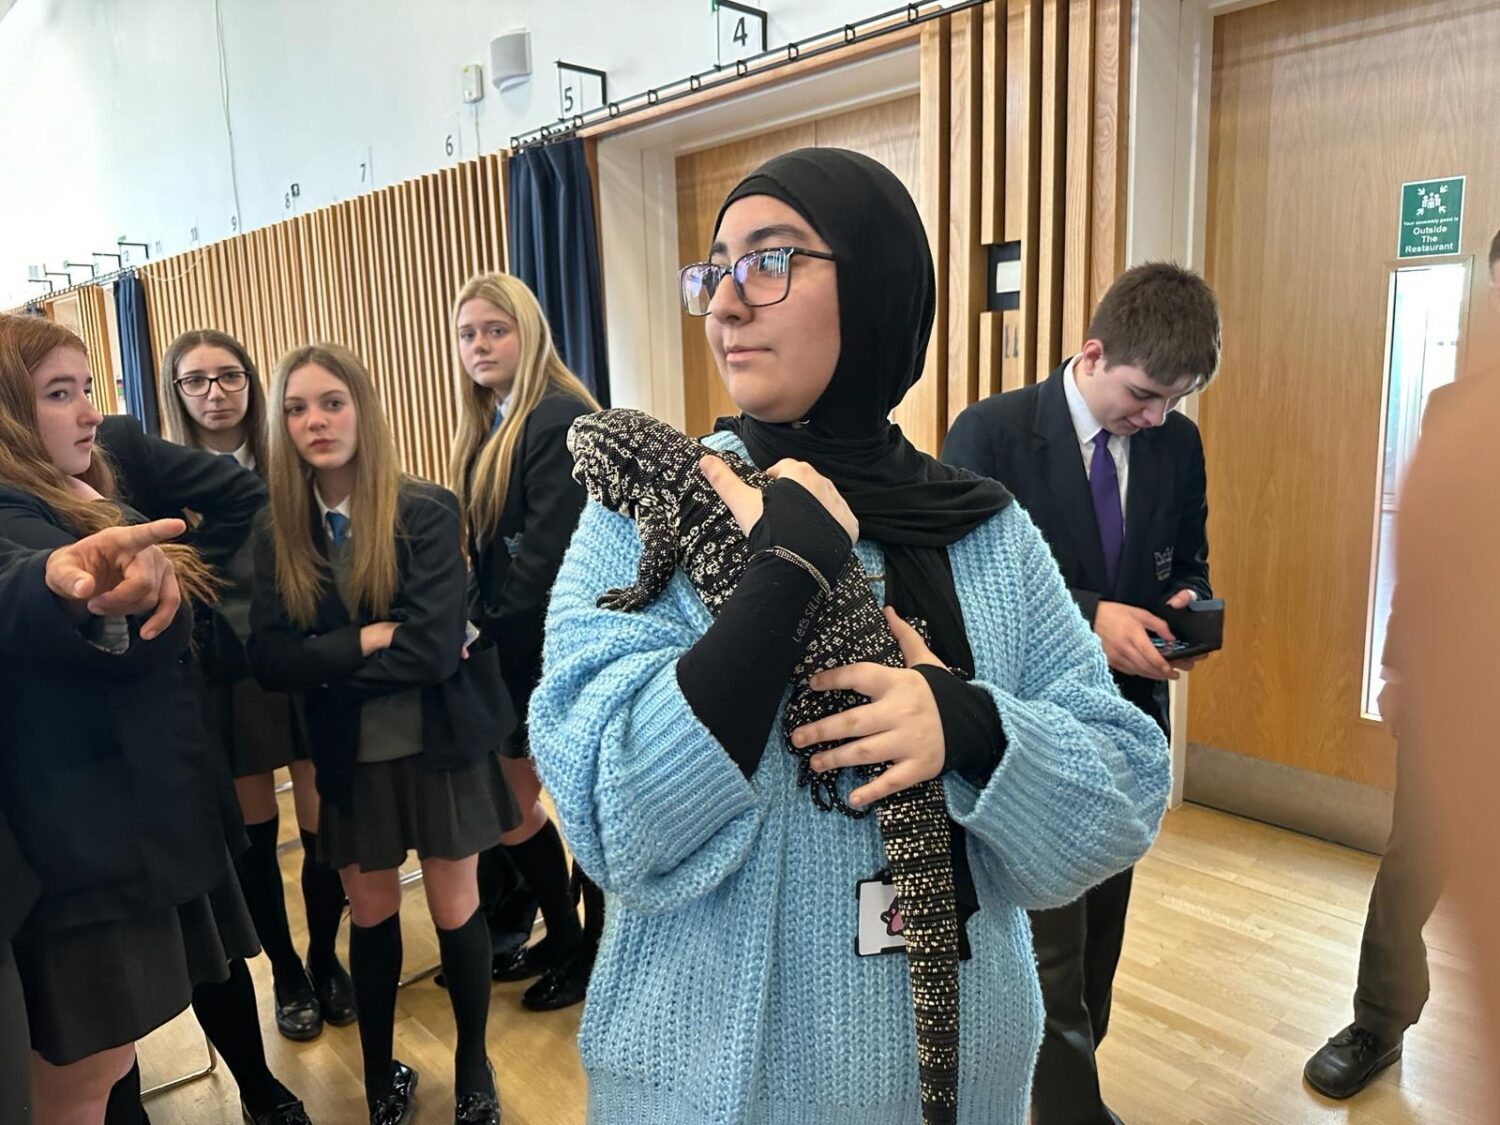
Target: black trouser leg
{"type": "Point", "coordinates": [1077, 949]}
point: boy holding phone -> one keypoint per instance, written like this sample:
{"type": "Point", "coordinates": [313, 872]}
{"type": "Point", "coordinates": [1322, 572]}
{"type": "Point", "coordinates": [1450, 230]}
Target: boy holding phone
{"type": "Point", "coordinates": [1114, 477]}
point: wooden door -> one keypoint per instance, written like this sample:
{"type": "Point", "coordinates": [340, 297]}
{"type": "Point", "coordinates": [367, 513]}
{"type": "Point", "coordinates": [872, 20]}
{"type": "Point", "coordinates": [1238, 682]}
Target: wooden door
{"type": "Point", "coordinates": [1321, 111]}
{"type": "Point", "coordinates": [888, 132]}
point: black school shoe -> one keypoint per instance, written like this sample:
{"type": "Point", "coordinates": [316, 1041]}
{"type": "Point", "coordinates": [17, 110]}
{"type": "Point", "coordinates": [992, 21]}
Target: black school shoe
{"type": "Point", "coordinates": [563, 985]}
{"type": "Point", "coordinates": [335, 996]}
{"type": "Point", "coordinates": [299, 1017]}
{"type": "Point", "coordinates": [291, 1113]}
{"type": "Point", "coordinates": [1345, 1064]}
{"type": "Point", "coordinates": [529, 961]}
{"type": "Point", "coordinates": [397, 1106]}
{"type": "Point", "coordinates": [478, 1109]}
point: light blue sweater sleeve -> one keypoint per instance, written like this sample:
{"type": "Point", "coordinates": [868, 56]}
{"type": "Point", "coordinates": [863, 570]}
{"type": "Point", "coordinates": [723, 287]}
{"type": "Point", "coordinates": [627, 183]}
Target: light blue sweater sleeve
{"type": "Point", "coordinates": [1084, 780]}
{"type": "Point", "coordinates": [652, 806]}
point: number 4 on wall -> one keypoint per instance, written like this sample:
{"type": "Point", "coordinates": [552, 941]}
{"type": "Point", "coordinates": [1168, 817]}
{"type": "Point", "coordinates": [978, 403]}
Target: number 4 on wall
{"type": "Point", "coordinates": [742, 30]}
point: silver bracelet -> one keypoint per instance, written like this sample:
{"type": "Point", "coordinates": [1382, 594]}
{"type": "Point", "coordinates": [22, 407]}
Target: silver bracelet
{"type": "Point", "coordinates": [797, 560]}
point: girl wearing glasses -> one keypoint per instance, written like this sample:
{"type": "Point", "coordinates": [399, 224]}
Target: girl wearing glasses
{"type": "Point", "coordinates": [121, 819]}
{"type": "Point", "coordinates": [729, 986]}
{"type": "Point", "coordinates": [360, 607]}
{"type": "Point", "coordinates": [212, 399]}
{"type": "Point", "coordinates": [514, 480]}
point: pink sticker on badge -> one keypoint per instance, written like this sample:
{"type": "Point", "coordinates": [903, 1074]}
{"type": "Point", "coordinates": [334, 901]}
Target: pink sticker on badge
{"type": "Point", "coordinates": [892, 919]}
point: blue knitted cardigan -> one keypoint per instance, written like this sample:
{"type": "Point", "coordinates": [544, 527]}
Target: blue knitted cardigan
{"type": "Point", "coordinates": [727, 989]}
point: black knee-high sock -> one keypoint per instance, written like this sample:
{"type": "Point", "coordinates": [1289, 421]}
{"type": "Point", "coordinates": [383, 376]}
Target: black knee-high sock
{"type": "Point", "coordinates": [323, 894]}
{"type": "Point", "coordinates": [593, 908]}
{"type": "Point", "coordinates": [229, 1017]}
{"type": "Point", "coordinates": [466, 966]}
{"type": "Point", "coordinates": [260, 879]}
{"type": "Point", "coordinates": [375, 965]}
{"type": "Point", "coordinates": [124, 1107]}
{"type": "Point", "coordinates": [545, 868]}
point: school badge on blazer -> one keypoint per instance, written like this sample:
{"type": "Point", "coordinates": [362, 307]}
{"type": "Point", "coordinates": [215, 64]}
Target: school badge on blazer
{"type": "Point", "coordinates": [1163, 564]}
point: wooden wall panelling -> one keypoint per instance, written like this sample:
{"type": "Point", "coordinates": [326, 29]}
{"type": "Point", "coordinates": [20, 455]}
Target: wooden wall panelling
{"type": "Point", "coordinates": [965, 278]}
{"type": "Point", "coordinates": [1053, 154]}
{"type": "Point", "coordinates": [995, 121]}
{"type": "Point", "coordinates": [1078, 189]}
{"type": "Point", "coordinates": [1023, 188]}
{"type": "Point", "coordinates": [923, 415]}
{"type": "Point", "coordinates": [93, 317]}
{"type": "Point", "coordinates": [991, 340]}
{"type": "Point", "coordinates": [1111, 125]}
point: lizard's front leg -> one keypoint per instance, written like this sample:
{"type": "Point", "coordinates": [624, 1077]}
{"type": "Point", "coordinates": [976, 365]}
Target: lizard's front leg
{"type": "Point", "coordinates": [658, 560]}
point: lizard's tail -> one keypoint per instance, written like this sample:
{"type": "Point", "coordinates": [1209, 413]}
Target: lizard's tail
{"type": "Point", "coordinates": [918, 844]}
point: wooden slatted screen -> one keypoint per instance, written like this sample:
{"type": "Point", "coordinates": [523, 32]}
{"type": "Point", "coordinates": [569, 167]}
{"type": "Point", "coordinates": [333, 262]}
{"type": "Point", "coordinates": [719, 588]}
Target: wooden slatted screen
{"type": "Point", "coordinates": [377, 273]}
{"type": "Point", "coordinates": [1024, 125]}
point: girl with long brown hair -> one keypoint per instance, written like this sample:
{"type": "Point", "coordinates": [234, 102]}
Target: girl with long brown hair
{"type": "Point", "coordinates": [359, 607]}
{"type": "Point", "coordinates": [513, 475]}
{"type": "Point", "coordinates": [212, 398]}
{"type": "Point", "coordinates": [114, 797]}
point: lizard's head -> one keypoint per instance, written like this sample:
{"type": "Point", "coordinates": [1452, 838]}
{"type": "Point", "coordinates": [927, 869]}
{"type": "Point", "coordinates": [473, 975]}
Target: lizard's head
{"type": "Point", "coordinates": [624, 458]}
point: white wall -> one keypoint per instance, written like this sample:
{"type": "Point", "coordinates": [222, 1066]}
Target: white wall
{"type": "Point", "coordinates": [114, 124]}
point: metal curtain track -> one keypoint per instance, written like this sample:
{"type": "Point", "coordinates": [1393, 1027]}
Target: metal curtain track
{"type": "Point", "coordinates": [725, 75]}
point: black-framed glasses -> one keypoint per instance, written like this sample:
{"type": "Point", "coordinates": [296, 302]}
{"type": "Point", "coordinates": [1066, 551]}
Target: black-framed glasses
{"type": "Point", "coordinates": [761, 277]}
{"type": "Point", "coordinates": [230, 382]}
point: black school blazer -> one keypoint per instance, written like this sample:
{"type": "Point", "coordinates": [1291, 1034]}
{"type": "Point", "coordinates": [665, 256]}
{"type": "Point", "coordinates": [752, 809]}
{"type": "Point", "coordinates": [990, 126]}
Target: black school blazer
{"type": "Point", "coordinates": [118, 805]}
{"type": "Point", "coordinates": [161, 479]}
{"type": "Point", "coordinates": [513, 571]}
{"type": "Point", "coordinates": [1025, 439]}
{"type": "Point", "coordinates": [466, 712]}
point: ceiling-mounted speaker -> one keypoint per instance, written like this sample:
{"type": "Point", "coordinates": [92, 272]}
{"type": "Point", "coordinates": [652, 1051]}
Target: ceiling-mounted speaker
{"type": "Point", "coordinates": [510, 58]}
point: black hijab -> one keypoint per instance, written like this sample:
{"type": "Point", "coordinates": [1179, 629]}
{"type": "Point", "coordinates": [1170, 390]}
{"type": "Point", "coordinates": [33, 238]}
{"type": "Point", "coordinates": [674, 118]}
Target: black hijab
{"type": "Point", "coordinates": [911, 504]}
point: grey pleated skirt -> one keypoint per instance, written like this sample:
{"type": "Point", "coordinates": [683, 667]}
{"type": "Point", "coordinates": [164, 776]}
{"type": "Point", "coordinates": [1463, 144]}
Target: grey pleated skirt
{"type": "Point", "coordinates": [401, 806]}
{"type": "Point", "coordinates": [257, 728]}
{"type": "Point", "coordinates": [89, 988]}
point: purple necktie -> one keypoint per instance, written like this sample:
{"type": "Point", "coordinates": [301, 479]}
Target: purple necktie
{"type": "Point", "coordinates": [1104, 486]}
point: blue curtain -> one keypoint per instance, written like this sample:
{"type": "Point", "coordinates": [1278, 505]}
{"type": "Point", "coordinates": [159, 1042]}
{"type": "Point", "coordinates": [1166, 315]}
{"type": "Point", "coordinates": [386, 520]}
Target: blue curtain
{"type": "Point", "coordinates": [139, 369]}
{"type": "Point", "coordinates": [554, 248]}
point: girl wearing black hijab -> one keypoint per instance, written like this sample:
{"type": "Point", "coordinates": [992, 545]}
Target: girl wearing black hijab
{"type": "Point", "coordinates": [731, 985]}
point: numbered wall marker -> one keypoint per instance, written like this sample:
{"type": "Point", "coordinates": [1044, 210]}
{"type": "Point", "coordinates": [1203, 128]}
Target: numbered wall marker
{"type": "Point", "coordinates": [364, 170]}
{"type": "Point", "coordinates": [742, 30]}
{"type": "Point", "coordinates": [580, 89]}
{"type": "Point", "coordinates": [453, 139]}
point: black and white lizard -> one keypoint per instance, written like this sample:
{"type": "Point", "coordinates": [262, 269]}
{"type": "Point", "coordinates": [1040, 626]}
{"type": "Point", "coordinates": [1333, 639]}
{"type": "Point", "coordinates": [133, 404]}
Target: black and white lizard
{"type": "Point", "coordinates": [642, 468]}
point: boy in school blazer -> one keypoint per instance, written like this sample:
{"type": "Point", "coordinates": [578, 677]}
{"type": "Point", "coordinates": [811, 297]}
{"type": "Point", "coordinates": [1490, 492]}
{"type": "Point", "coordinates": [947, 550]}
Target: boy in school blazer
{"type": "Point", "coordinates": [1114, 478]}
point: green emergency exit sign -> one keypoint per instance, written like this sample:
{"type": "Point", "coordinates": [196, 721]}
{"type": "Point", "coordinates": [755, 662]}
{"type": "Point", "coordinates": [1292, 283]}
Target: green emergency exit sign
{"type": "Point", "coordinates": [1432, 217]}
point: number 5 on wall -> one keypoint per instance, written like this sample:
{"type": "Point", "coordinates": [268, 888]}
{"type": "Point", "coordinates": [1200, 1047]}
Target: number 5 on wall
{"type": "Point", "coordinates": [579, 89]}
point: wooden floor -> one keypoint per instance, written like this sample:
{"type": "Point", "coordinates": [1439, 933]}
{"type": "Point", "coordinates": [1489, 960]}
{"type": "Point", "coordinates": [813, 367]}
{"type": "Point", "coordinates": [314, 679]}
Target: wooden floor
{"type": "Point", "coordinates": [1239, 962]}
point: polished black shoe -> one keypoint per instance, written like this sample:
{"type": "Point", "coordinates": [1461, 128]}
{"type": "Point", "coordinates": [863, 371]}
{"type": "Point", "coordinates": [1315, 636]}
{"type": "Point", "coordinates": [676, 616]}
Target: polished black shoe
{"type": "Point", "coordinates": [397, 1106]}
{"type": "Point", "coordinates": [335, 996]}
{"type": "Point", "coordinates": [478, 1109]}
{"type": "Point", "coordinates": [529, 961]}
{"type": "Point", "coordinates": [563, 985]}
{"type": "Point", "coordinates": [298, 1015]}
{"type": "Point", "coordinates": [291, 1113]}
{"type": "Point", "coordinates": [1346, 1063]}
